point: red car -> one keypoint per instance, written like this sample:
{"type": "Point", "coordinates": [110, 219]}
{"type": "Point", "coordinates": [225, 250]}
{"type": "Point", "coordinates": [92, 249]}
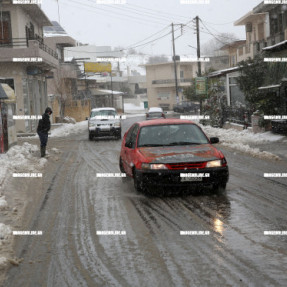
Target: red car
{"type": "Point", "coordinates": [171, 153]}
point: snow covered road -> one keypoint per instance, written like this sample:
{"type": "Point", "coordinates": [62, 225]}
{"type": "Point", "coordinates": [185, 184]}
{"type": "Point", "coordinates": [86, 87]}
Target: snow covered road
{"type": "Point", "coordinates": [72, 205]}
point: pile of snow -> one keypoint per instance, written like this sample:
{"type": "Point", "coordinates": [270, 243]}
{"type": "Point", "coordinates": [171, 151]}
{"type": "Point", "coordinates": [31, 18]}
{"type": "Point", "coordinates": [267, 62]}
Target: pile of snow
{"type": "Point", "coordinates": [42, 162]}
{"type": "Point", "coordinates": [240, 140]}
{"type": "Point", "coordinates": [5, 231]}
{"type": "Point", "coordinates": [129, 107]}
{"type": "Point", "coordinates": [69, 120]}
{"type": "Point", "coordinates": [3, 203]}
{"type": "Point", "coordinates": [3, 262]}
{"type": "Point", "coordinates": [244, 136]}
{"type": "Point", "coordinates": [21, 159]}
{"type": "Point", "coordinates": [67, 129]}
{"type": "Point", "coordinates": [255, 152]}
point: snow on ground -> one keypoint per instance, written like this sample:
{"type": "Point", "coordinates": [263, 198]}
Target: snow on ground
{"type": "Point", "coordinates": [18, 158]}
{"type": "Point", "coordinates": [240, 140]}
{"type": "Point", "coordinates": [135, 115]}
{"type": "Point", "coordinates": [132, 108]}
{"type": "Point", "coordinates": [5, 237]}
{"type": "Point", "coordinates": [3, 203]}
{"type": "Point", "coordinates": [5, 231]}
{"type": "Point", "coordinates": [67, 129]}
{"type": "Point", "coordinates": [3, 262]}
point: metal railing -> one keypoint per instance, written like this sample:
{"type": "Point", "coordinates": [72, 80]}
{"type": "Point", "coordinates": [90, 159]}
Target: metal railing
{"type": "Point", "coordinates": [171, 81]}
{"type": "Point", "coordinates": [24, 43]}
{"type": "Point", "coordinates": [236, 115]}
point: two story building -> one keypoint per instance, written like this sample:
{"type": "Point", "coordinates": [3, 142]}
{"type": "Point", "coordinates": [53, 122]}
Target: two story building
{"type": "Point", "coordinates": [257, 28]}
{"type": "Point", "coordinates": [25, 60]}
{"type": "Point", "coordinates": [160, 82]}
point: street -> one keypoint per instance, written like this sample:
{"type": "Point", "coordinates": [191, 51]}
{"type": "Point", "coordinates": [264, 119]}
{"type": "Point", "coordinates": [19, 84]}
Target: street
{"type": "Point", "coordinates": [71, 204]}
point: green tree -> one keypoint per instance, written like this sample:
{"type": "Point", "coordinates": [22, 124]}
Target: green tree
{"type": "Point", "coordinates": [255, 73]}
{"type": "Point", "coordinates": [252, 76]}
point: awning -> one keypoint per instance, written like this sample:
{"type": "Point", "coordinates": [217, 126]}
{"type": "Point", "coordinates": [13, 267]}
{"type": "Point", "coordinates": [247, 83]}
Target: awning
{"type": "Point", "coordinates": [10, 94]}
{"type": "Point", "coordinates": [3, 95]}
{"type": "Point", "coordinates": [277, 47]}
{"type": "Point", "coordinates": [223, 72]}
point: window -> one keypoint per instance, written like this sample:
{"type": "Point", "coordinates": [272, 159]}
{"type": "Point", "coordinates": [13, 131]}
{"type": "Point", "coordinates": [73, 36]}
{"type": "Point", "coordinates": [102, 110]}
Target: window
{"type": "Point", "coordinates": [103, 113]}
{"type": "Point", "coordinates": [134, 134]}
{"type": "Point", "coordinates": [128, 138]}
{"type": "Point", "coordinates": [171, 135]}
{"type": "Point", "coordinates": [5, 29]}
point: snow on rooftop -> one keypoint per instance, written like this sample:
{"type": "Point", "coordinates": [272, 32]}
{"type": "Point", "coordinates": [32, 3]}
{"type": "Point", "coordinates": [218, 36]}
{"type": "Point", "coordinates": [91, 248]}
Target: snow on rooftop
{"type": "Point", "coordinates": [155, 109]}
{"type": "Point", "coordinates": [269, 87]}
{"type": "Point", "coordinates": [274, 46]}
{"type": "Point", "coordinates": [219, 72]}
{"type": "Point", "coordinates": [110, 92]}
{"type": "Point", "coordinates": [103, 109]}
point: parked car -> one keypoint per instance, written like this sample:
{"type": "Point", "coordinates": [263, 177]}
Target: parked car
{"type": "Point", "coordinates": [104, 122]}
{"type": "Point", "coordinates": [155, 113]}
{"type": "Point", "coordinates": [185, 106]}
{"type": "Point", "coordinates": [157, 154]}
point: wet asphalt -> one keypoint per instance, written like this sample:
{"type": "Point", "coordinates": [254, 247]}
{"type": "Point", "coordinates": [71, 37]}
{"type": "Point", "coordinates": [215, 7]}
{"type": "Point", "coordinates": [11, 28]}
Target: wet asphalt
{"type": "Point", "coordinates": [75, 204]}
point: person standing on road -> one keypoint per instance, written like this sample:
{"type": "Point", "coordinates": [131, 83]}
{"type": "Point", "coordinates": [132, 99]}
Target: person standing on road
{"type": "Point", "coordinates": [43, 129]}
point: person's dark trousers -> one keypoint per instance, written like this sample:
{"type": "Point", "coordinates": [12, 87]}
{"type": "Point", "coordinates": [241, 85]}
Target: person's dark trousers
{"type": "Point", "coordinates": [43, 139]}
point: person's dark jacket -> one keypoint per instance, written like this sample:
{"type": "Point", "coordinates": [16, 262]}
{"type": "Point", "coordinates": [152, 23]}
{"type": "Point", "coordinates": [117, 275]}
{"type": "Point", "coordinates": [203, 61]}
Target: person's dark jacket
{"type": "Point", "coordinates": [44, 124]}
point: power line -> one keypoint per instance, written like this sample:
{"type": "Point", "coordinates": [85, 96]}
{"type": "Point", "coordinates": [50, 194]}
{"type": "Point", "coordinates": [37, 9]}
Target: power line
{"type": "Point", "coordinates": [117, 13]}
{"type": "Point", "coordinates": [161, 12]}
{"type": "Point", "coordinates": [131, 46]}
{"type": "Point", "coordinates": [150, 36]}
{"type": "Point", "coordinates": [139, 12]}
{"type": "Point", "coordinates": [231, 38]}
{"type": "Point", "coordinates": [212, 34]}
{"type": "Point", "coordinates": [220, 23]}
{"type": "Point", "coordinates": [137, 20]}
{"type": "Point", "coordinates": [219, 40]}
{"type": "Point", "coordinates": [135, 44]}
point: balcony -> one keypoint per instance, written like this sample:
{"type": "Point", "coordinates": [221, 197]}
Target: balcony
{"type": "Point", "coordinates": [171, 83]}
{"type": "Point", "coordinates": [24, 48]}
{"type": "Point", "coordinates": [244, 52]}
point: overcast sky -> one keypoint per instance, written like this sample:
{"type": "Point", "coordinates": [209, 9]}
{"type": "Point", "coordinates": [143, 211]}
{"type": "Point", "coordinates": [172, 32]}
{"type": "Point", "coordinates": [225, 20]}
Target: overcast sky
{"type": "Point", "coordinates": [127, 24]}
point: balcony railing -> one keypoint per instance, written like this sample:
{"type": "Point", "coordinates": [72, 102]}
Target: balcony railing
{"type": "Point", "coordinates": [171, 81]}
{"type": "Point", "coordinates": [24, 43]}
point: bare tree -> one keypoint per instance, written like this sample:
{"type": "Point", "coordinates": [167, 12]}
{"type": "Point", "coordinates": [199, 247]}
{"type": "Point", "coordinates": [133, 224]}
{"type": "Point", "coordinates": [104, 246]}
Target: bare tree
{"type": "Point", "coordinates": [157, 59]}
{"type": "Point", "coordinates": [63, 87]}
{"type": "Point", "coordinates": [209, 48]}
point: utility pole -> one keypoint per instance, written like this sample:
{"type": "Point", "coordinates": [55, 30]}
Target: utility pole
{"type": "Point", "coordinates": [198, 58]}
{"type": "Point", "coordinates": [58, 12]}
{"type": "Point", "coordinates": [198, 46]}
{"type": "Point", "coordinates": [112, 88]}
{"type": "Point", "coordinates": [174, 62]}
